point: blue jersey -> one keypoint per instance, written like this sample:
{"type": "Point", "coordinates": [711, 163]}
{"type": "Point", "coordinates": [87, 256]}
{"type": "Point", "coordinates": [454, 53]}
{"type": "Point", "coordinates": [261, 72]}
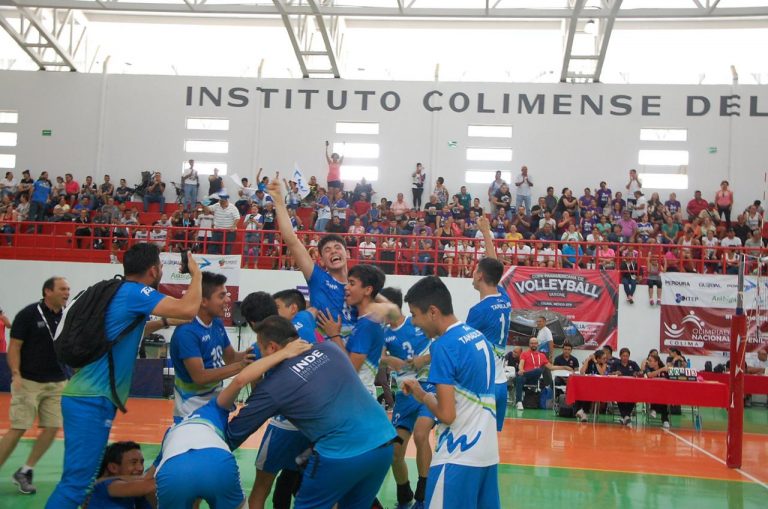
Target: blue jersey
{"type": "Point", "coordinates": [196, 340]}
{"type": "Point", "coordinates": [305, 325]}
{"type": "Point", "coordinates": [320, 393]}
{"type": "Point", "coordinates": [462, 357]}
{"type": "Point", "coordinates": [367, 338]}
{"type": "Point", "coordinates": [327, 294]}
{"type": "Point", "coordinates": [406, 342]}
{"type": "Point", "coordinates": [132, 300]}
{"type": "Point", "coordinates": [41, 191]}
{"type": "Point", "coordinates": [491, 316]}
{"type": "Point", "coordinates": [101, 499]}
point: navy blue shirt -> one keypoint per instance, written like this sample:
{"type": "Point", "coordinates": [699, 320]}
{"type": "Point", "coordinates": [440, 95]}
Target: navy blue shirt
{"type": "Point", "coordinates": [321, 394]}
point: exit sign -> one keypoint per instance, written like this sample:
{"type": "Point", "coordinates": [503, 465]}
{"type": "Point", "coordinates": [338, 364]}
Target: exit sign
{"type": "Point", "coordinates": [47, 132]}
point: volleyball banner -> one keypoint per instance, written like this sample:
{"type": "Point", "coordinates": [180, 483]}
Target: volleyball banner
{"type": "Point", "coordinates": [696, 312]}
{"type": "Point", "coordinates": [175, 284]}
{"type": "Point", "coordinates": [584, 303]}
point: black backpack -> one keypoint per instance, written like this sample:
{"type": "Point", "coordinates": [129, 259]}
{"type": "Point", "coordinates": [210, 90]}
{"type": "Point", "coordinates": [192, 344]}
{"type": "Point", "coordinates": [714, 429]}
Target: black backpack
{"type": "Point", "coordinates": [81, 337]}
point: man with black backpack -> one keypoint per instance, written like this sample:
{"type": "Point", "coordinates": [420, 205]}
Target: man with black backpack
{"type": "Point", "coordinates": [108, 318]}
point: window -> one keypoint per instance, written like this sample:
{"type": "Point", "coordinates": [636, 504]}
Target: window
{"type": "Point", "coordinates": [489, 131]}
{"type": "Point", "coordinates": [489, 154]}
{"type": "Point", "coordinates": [663, 157]}
{"type": "Point", "coordinates": [208, 124]}
{"type": "Point", "coordinates": [485, 176]}
{"type": "Point", "coordinates": [206, 167]}
{"type": "Point", "coordinates": [663, 134]}
{"type": "Point", "coordinates": [352, 172]}
{"type": "Point", "coordinates": [7, 161]}
{"type": "Point", "coordinates": [213, 147]}
{"type": "Point", "coordinates": [357, 150]}
{"type": "Point", "coordinates": [9, 117]}
{"type": "Point", "coordinates": [7, 139]}
{"type": "Point", "coordinates": [664, 181]}
{"type": "Point", "coordinates": [357, 128]}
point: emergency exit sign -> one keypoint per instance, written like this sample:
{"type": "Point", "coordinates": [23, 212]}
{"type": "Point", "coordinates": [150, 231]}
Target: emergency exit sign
{"type": "Point", "coordinates": [47, 132]}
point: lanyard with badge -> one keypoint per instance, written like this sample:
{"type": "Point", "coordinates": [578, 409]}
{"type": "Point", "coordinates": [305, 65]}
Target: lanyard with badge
{"type": "Point", "coordinates": [45, 321]}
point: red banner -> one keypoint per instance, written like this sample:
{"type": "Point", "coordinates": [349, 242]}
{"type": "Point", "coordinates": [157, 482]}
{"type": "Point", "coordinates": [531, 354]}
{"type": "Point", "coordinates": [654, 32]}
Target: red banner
{"type": "Point", "coordinates": [580, 306]}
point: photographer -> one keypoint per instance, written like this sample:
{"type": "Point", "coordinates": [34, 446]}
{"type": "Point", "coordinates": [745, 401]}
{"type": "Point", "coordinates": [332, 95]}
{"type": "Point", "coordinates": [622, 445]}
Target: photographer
{"type": "Point", "coordinates": [155, 193]}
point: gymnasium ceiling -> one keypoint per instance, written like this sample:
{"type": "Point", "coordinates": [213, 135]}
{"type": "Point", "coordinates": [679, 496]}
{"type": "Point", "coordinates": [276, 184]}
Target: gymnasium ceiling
{"type": "Point", "coordinates": [610, 41]}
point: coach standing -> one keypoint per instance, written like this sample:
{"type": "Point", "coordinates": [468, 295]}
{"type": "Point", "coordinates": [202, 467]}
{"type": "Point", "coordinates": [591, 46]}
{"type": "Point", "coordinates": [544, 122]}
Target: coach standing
{"type": "Point", "coordinates": [37, 378]}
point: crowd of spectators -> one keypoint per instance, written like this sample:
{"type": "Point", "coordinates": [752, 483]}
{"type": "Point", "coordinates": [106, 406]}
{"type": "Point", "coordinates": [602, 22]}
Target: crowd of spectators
{"type": "Point", "coordinates": [639, 235]}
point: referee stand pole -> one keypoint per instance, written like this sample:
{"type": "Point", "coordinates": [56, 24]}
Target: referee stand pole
{"type": "Point", "coordinates": [736, 385]}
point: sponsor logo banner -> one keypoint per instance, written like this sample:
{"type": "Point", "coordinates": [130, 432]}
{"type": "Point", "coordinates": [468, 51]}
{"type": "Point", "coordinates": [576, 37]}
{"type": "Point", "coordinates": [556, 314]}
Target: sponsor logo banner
{"type": "Point", "coordinates": [588, 299]}
{"type": "Point", "coordinates": [696, 312]}
{"type": "Point", "coordinates": [175, 284]}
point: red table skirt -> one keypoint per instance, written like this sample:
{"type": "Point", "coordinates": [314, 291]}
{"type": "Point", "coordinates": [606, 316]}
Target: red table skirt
{"type": "Point", "coordinates": [646, 390]}
{"type": "Point", "coordinates": [753, 384]}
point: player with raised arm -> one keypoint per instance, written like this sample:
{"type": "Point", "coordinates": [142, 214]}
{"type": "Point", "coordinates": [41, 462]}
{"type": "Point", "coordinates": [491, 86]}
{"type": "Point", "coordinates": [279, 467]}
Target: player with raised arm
{"type": "Point", "coordinates": [327, 279]}
{"type": "Point", "coordinates": [406, 351]}
{"type": "Point", "coordinates": [491, 315]}
{"type": "Point", "coordinates": [465, 463]}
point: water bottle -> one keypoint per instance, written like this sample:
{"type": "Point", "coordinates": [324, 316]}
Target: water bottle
{"type": "Point", "coordinates": [697, 422]}
{"type": "Point", "coordinates": [689, 363]}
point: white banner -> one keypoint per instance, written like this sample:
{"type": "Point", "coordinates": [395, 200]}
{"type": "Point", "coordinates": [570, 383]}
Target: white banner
{"type": "Point", "coordinates": [710, 290]}
{"type": "Point", "coordinates": [301, 182]}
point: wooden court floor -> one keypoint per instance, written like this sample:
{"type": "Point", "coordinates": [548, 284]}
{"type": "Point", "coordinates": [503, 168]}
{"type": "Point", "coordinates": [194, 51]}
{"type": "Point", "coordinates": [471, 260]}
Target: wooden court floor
{"type": "Point", "coordinates": [545, 461]}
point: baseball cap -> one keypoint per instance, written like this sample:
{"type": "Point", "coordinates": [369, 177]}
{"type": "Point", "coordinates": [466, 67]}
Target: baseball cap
{"type": "Point", "coordinates": [224, 196]}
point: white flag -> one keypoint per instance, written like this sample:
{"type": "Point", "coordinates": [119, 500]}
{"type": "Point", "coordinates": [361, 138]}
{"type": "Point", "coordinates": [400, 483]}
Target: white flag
{"type": "Point", "coordinates": [301, 183]}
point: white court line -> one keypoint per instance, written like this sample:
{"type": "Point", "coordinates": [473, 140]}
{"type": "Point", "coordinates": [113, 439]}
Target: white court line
{"type": "Point", "coordinates": [719, 460]}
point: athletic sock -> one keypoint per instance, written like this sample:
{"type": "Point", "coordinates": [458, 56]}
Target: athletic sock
{"type": "Point", "coordinates": [421, 489]}
{"type": "Point", "coordinates": [404, 493]}
{"type": "Point", "coordinates": [25, 469]}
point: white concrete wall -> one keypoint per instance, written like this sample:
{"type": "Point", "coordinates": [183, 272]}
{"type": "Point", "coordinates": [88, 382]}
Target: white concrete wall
{"type": "Point", "coordinates": [22, 283]}
{"type": "Point", "coordinates": [122, 124]}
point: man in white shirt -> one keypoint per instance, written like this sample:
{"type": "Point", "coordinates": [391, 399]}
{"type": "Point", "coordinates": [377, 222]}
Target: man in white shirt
{"type": "Point", "coordinates": [524, 185]}
{"type": "Point", "coordinates": [8, 185]}
{"type": "Point", "coordinates": [758, 365]}
{"type": "Point", "coordinates": [225, 219]}
{"type": "Point", "coordinates": [634, 185]}
{"type": "Point", "coordinates": [158, 235]}
{"type": "Point", "coordinates": [731, 240]}
{"type": "Point", "coordinates": [190, 183]}
{"type": "Point", "coordinates": [641, 205]}
{"type": "Point", "coordinates": [367, 249]}
{"type": "Point", "coordinates": [546, 341]}
{"type": "Point", "coordinates": [495, 186]}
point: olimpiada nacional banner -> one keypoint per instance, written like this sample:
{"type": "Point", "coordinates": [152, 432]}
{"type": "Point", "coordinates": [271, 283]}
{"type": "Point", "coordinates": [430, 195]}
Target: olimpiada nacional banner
{"type": "Point", "coordinates": [580, 307]}
{"type": "Point", "coordinates": [696, 312]}
{"type": "Point", "coordinates": [175, 284]}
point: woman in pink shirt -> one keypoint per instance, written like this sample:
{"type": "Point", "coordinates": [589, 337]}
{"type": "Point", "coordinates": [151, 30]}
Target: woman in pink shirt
{"type": "Point", "coordinates": [724, 202]}
{"type": "Point", "coordinates": [334, 169]}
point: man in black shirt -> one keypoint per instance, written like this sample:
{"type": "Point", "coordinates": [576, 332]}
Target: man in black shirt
{"type": "Point", "coordinates": [37, 378]}
{"type": "Point", "coordinates": [567, 362]}
{"type": "Point", "coordinates": [624, 366]}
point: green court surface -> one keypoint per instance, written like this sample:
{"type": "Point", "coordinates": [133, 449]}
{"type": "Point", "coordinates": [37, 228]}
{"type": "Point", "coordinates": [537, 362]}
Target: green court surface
{"type": "Point", "coordinates": [522, 486]}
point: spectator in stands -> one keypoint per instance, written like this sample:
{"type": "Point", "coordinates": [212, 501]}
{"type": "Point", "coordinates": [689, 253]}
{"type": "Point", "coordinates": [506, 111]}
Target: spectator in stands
{"type": "Point", "coordinates": [123, 193]}
{"type": "Point", "coordinates": [545, 233]}
{"type": "Point", "coordinates": [625, 367]}
{"type": "Point", "coordinates": [82, 228]}
{"type": "Point", "coordinates": [204, 223]}
{"type": "Point", "coordinates": [524, 185]}
{"type": "Point", "coordinates": [653, 279]}
{"type": "Point", "coordinates": [334, 161]}
{"type": "Point", "coordinates": [753, 217]}
{"type": "Point", "coordinates": [670, 230]}
{"type": "Point", "coordinates": [41, 196]}
{"type": "Point", "coordinates": [158, 235]}
{"type": "Point", "coordinates": [550, 199]}
{"type": "Point", "coordinates": [618, 201]}
{"type": "Point", "coordinates": [711, 254]}
{"type": "Point", "coordinates": [567, 203]}
{"type": "Point", "coordinates": [59, 189]}
{"type": "Point", "coordinates": [106, 190]}
{"type": "Point", "coordinates": [572, 255]}
{"type": "Point", "coordinates": [109, 209]}
{"type": "Point", "coordinates": [356, 230]}
{"type": "Point", "coordinates": [724, 202]}
{"type": "Point", "coordinates": [190, 183]}
{"type": "Point", "coordinates": [323, 209]}
{"type": "Point", "coordinates": [640, 205]}
{"type": "Point", "coordinates": [730, 239]}
{"type": "Point", "coordinates": [443, 196]}
{"type": "Point", "coordinates": [549, 256]}
{"type": "Point", "coordinates": [245, 196]}
{"type": "Point", "coordinates": [629, 272]}
{"type": "Point", "coordinates": [71, 187]}
{"type": "Point", "coordinates": [25, 185]}
{"type": "Point", "coordinates": [88, 190]}
{"type": "Point", "coordinates": [632, 187]}
{"type": "Point", "coordinates": [335, 226]}
{"type": "Point", "coordinates": [710, 213]}
{"type": "Point", "coordinates": [270, 224]}
{"type": "Point", "coordinates": [673, 206]}
{"type": "Point", "coordinates": [8, 185]}
{"type": "Point", "coordinates": [418, 178]}
{"type": "Point", "coordinates": [399, 207]}
{"type": "Point", "coordinates": [628, 227]}
{"type": "Point", "coordinates": [532, 366]}
{"type": "Point", "coordinates": [502, 200]}
{"type": "Point", "coordinates": [61, 211]}
{"type": "Point", "coordinates": [603, 195]}
{"type": "Point", "coordinates": [696, 206]}
{"type": "Point", "coordinates": [494, 188]}
{"type": "Point", "coordinates": [645, 228]}
{"type": "Point", "coordinates": [215, 183]}
{"type": "Point", "coordinates": [741, 229]}
{"type": "Point", "coordinates": [155, 193]}
{"type": "Point", "coordinates": [84, 203]}
{"type": "Point", "coordinates": [339, 206]}
{"type": "Point", "coordinates": [367, 249]}
{"type": "Point", "coordinates": [687, 243]}
{"type": "Point", "coordinates": [225, 219]}
{"type": "Point", "coordinates": [363, 187]}
{"type": "Point", "coordinates": [362, 209]}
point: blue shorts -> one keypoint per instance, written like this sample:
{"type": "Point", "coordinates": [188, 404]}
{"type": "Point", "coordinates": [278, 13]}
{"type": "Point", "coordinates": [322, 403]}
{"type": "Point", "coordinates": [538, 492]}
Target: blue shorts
{"type": "Point", "coordinates": [279, 448]}
{"type": "Point", "coordinates": [210, 474]}
{"type": "Point", "coordinates": [351, 482]}
{"type": "Point", "coordinates": [501, 405]}
{"type": "Point", "coordinates": [407, 409]}
{"type": "Point", "coordinates": [459, 487]}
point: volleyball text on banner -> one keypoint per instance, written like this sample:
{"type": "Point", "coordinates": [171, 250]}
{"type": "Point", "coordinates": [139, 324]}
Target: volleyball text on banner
{"type": "Point", "coordinates": [580, 307]}
{"type": "Point", "coordinates": [175, 284]}
{"type": "Point", "coordinates": [696, 312]}
{"type": "Point", "coordinates": [301, 183]}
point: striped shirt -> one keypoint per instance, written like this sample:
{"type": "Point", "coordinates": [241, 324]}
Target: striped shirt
{"type": "Point", "coordinates": [225, 217]}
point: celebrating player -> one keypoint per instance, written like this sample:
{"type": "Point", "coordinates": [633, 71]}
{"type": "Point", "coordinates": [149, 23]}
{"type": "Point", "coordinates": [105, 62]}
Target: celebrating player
{"type": "Point", "coordinates": [464, 467]}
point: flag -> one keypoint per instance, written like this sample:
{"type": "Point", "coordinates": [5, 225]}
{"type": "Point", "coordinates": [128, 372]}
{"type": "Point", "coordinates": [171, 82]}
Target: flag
{"type": "Point", "coordinates": [301, 182]}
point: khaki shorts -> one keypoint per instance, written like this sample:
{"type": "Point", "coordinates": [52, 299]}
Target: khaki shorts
{"type": "Point", "coordinates": [36, 399]}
